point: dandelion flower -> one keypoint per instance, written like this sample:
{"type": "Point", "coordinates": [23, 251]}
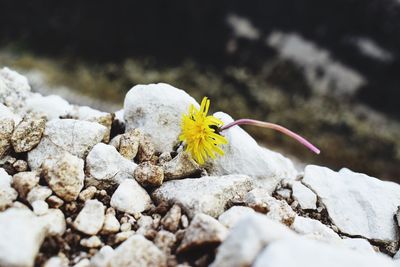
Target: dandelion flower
{"type": "Point", "coordinates": [200, 133]}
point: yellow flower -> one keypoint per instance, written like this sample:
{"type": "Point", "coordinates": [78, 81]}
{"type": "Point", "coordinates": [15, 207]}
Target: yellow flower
{"type": "Point", "coordinates": [199, 133]}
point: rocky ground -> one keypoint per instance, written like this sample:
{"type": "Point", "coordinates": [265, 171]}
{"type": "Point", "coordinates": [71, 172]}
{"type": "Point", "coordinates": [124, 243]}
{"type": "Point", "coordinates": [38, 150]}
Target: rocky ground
{"type": "Point", "coordinates": [81, 187]}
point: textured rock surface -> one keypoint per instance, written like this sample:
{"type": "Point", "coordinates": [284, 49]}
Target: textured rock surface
{"type": "Point", "coordinates": [64, 175]}
{"type": "Point", "coordinates": [23, 182]}
{"type": "Point", "coordinates": [74, 136]}
{"type": "Point", "coordinates": [91, 218]}
{"type": "Point", "coordinates": [357, 204]}
{"type": "Point", "coordinates": [106, 167]}
{"type": "Point", "coordinates": [306, 198]}
{"type": "Point", "coordinates": [27, 134]}
{"type": "Point", "coordinates": [52, 106]}
{"type": "Point", "coordinates": [148, 174]}
{"type": "Point", "coordinates": [208, 194]}
{"type": "Point", "coordinates": [182, 166]}
{"type": "Point", "coordinates": [130, 197]}
{"type": "Point", "coordinates": [7, 193]}
{"type": "Point", "coordinates": [314, 229]}
{"type": "Point", "coordinates": [6, 130]}
{"type": "Point", "coordinates": [156, 109]}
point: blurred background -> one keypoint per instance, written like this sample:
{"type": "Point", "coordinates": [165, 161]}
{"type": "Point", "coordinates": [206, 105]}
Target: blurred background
{"type": "Point", "coordinates": [329, 70]}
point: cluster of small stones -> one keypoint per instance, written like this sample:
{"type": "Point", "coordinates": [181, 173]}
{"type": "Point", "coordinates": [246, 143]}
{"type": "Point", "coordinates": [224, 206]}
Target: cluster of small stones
{"type": "Point", "coordinates": [107, 196]}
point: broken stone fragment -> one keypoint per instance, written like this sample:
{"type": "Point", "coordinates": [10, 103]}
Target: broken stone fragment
{"type": "Point", "coordinates": [203, 231]}
{"type": "Point", "coordinates": [130, 197]}
{"type": "Point", "coordinates": [23, 182]}
{"type": "Point", "coordinates": [129, 144]}
{"type": "Point", "coordinates": [148, 174]}
{"type": "Point", "coordinates": [111, 224]}
{"type": "Point", "coordinates": [91, 218]}
{"type": "Point", "coordinates": [172, 218]}
{"type": "Point", "coordinates": [182, 166]}
{"type": "Point", "coordinates": [165, 240]}
{"type": "Point", "coordinates": [28, 133]}
{"type": "Point", "coordinates": [306, 198]}
{"type": "Point", "coordinates": [39, 192]}
{"type": "Point", "coordinates": [64, 175]}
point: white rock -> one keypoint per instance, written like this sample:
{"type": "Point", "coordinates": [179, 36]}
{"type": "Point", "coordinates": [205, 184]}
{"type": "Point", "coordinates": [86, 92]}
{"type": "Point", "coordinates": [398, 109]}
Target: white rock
{"type": "Point", "coordinates": [73, 136]}
{"type": "Point", "coordinates": [182, 166]}
{"type": "Point", "coordinates": [203, 230]}
{"type": "Point", "coordinates": [83, 263]}
{"type": "Point", "coordinates": [38, 193]}
{"type": "Point", "coordinates": [106, 167]}
{"type": "Point", "coordinates": [247, 238]}
{"type": "Point", "coordinates": [57, 261]}
{"type": "Point", "coordinates": [23, 182]}
{"type": "Point", "coordinates": [91, 242]}
{"type": "Point", "coordinates": [6, 130]}
{"type": "Point", "coordinates": [27, 133]}
{"type": "Point", "coordinates": [54, 220]}
{"type": "Point", "coordinates": [358, 204]}
{"type": "Point", "coordinates": [7, 193]}
{"type": "Point", "coordinates": [137, 251]}
{"type": "Point", "coordinates": [243, 155]}
{"type": "Point", "coordinates": [208, 194]}
{"type": "Point", "coordinates": [304, 196]}
{"type": "Point", "coordinates": [314, 229]}
{"type": "Point", "coordinates": [52, 106]}
{"type": "Point", "coordinates": [359, 244]}
{"type": "Point", "coordinates": [91, 218]}
{"type": "Point", "coordinates": [157, 110]}
{"type": "Point", "coordinates": [64, 174]}
{"type": "Point", "coordinates": [101, 258]}
{"type": "Point", "coordinates": [40, 207]}
{"type": "Point", "coordinates": [130, 197]}
{"type": "Point", "coordinates": [230, 217]}
{"type": "Point", "coordinates": [6, 113]}
{"type": "Point", "coordinates": [311, 253]}
{"type": "Point", "coordinates": [111, 224]}
{"type": "Point", "coordinates": [14, 89]}
{"type": "Point", "coordinates": [21, 235]}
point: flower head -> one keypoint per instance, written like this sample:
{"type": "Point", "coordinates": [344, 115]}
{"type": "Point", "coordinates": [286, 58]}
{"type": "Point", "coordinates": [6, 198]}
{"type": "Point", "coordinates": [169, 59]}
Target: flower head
{"type": "Point", "coordinates": [200, 134]}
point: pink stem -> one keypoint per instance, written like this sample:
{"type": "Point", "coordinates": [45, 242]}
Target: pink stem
{"type": "Point", "coordinates": [274, 127]}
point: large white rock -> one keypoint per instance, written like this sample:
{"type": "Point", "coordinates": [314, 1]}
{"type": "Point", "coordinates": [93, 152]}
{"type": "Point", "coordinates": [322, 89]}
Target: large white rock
{"type": "Point", "coordinates": [358, 204]}
{"type": "Point", "coordinates": [306, 198]}
{"type": "Point", "coordinates": [21, 235]}
{"type": "Point", "coordinates": [314, 229]}
{"type": "Point", "coordinates": [130, 197]}
{"type": "Point", "coordinates": [76, 137]}
{"type": "Point", "coordinates": [208, 194]}
{"type": "Point", "coordinates": [14, 89]}
{"type": "Point", "coordinates": [7, 193]}
{"type": "Point", "coordinates": [137, 251]}
{"type": "Point", "coordinates": [243, 155]}
{"type": "Point", "coordinates": [157, 110]}
{"type": "Point", "coordinates": [106, 167]}
{"type": "Point", "coordinates": [247, 238]}
{"type": "Point", "coordinates": [52, 106]}
{"type": "Point", "coordinates": [90, 219]}
{"type": "Point", "coordinates": [294, 252]}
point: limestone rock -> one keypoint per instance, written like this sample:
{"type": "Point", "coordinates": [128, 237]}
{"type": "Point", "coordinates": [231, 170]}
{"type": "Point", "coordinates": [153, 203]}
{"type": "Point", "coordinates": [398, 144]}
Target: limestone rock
{"type": "Point", "coordinates": [7, 193]}
{"type": "Point", "coordinates": [40, 207]}
{"type": "Point", "coordinates": [128, 144]}
{"type": "Point", "coordinates": [165, 240]}
{"type": "Point", "coordinates": [6, 113]}
{"type": "Point", "coordinates": [137, 251]}
{"type": "Point", "coordinates": [314, 229]}
{"type": "Point", "coordinates": [182, 166]}
{"type": "Point", "coordinates": [73, 136]}
{"type": "Point", "coordinates": [111, 224]}
{"type": "Point", "coordinates": [247, 238]}
{"type": "Point", "coordinates": [358, 204]}
{"type": "Point", "coordinates": [6, 130]}
{"type": "Point", "coordinates": [304, 196]}
{"type": "Point", "coordinates": [54, 221]}
{"type": "Point", "coordinates": [23, 182]}
{"type": "Point", "coordinates": [157, 109]}
{"type": "Point", "coordinates": [208, 194]}
{"type": "Point", "coordinates": [21, 235]}
{"type": "Point", "coordinates": [130, 197]}
{"type": "Point", "coordinates": [14, 89]}
{"type": "Point", "coordinates": [27, 134]}
{"type": "Point", "coordinates": [106, 167]}
{"type": "Point", "coordinates": [64, 175]}
{"type": "Point", "coordinates": [230, 217]}
{"type": "Point", "coordinates": [52, 106]}
{"type": "Point", "coordinates": [203, 231]}
{"type": "Point", "coordinates": [38, 193]}
{"type": "Point", "coordinates": [148, 174]}
{"type": "Point", "coordinates": [91, 218]}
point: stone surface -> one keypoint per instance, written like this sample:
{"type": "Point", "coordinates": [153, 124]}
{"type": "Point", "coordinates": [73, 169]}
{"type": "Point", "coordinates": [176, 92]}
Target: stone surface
{"type": "Point", "coordinates": [247, 238]}
{"type": "Point", "coordinates": [148, 174]}
{"type": "Point", "coordinates": [182, 166]}
{"type": "Point", "coordinates": [74, 136]}
{"type": "Point", "coordinates": [52, 106]}
{"type": "Point", "coordinates": [172, 218]}
{"type": "Point", "coordinates": [129, 144]}
{"type": "Point", "coordinates": [230, 217]}
{"type": "Point", "coordinates": [277, 210]}
{"type": "Point", "coordinates": [6, 113]}
{"type": "Point", "coordinates": [23, 182]}
{"type": "Point", "coordinates": [101, 258]}
{"type": "Point", "coordinates": [21, 235]}
{"type": "Point", "coordinates": [6, 130]}
{"type": "Point", "coordinates": [358, 204]}
{"type": "Point", "coordinates": [7, 193]}
{"type": "Point", "coordinates": [106, 167]}
{"type": "Point", "coordinates": [314, 229]}
{"type": "Point", "coordinates": [208, 194]}
{"type": "Point", "coordinates": [40, 207]}
{"type": "Point", "coordinates": [203, 231]}
{"type": "Point", "coordinates": [27, 134]}
{"type": "Point", "coordinates": [111, 224]}
{"type": "Point", "coordinates": [54, 221]}
{"type": "Point", "coordinates": [91, 218]}
{"type": "Point", "coordinates": [38, 193]}
{"type": "Point", "coordinates": [311, 253]}
{"type": "Point", "coordinates": [87, 193]}
{"type": "Point", "coordinates": [165, 240]}
{"type": "Point", "coordinates": [137, 251]}
{"type": "Point", "coordinates": [304, 196]}
{"type": "Point", "coordinates": [243, 155]}
{"type": "Point", "coordinates": [14, 89]}
{"type": "Point", "coordinates": [64, 175]}
{"type": "Point", "coordinates": [157, 110]}
{"type": "Point", "coordinates": [130, 197]}
{"type": "Point", "coordinates": [91, 242]}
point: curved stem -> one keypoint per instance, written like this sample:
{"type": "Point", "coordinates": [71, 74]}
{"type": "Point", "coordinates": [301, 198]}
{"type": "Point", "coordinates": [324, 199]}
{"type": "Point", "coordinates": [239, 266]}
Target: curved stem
{"type": "Point", "coordinates": [274, 127]}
